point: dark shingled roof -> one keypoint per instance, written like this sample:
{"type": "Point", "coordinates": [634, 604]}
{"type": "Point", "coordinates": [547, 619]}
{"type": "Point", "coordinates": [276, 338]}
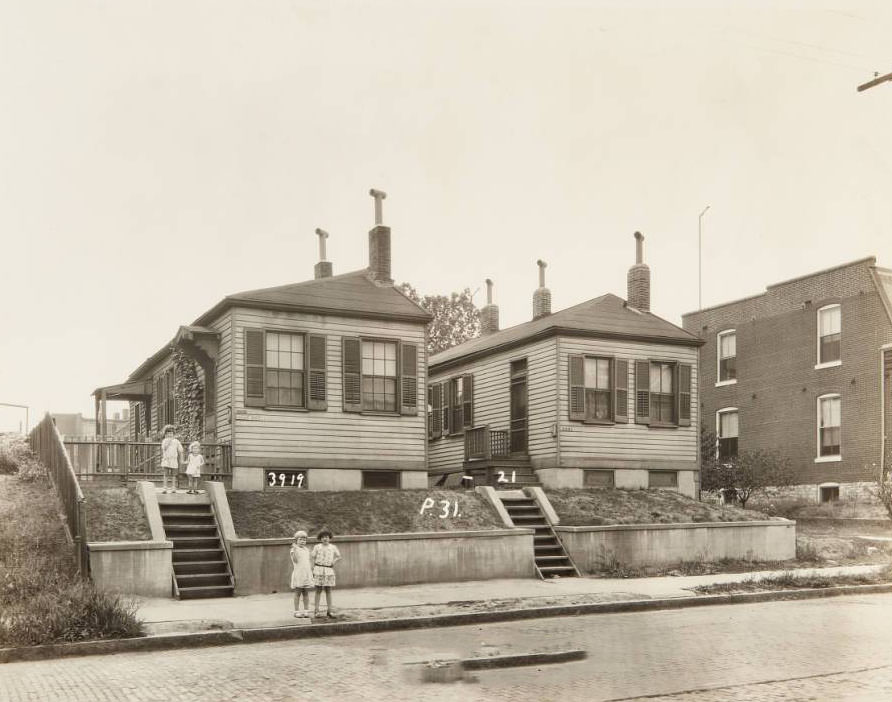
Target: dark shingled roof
{"type": "Point", "coordinates": [607, 316]}
{"type": "Point", "coordinates": [348, 294]}
{"type": "Point", "coordinates": [352, 294]}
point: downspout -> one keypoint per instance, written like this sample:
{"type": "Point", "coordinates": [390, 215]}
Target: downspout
{"type": "Point", "coordinates": [557, 409]}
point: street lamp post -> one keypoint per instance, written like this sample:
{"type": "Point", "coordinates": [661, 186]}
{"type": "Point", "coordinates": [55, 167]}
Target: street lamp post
{"type": "Point", "coordinates": [700, 259]}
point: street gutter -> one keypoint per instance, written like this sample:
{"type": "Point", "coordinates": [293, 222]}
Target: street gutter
{"type": "Point", "coordinates": [162, 642]}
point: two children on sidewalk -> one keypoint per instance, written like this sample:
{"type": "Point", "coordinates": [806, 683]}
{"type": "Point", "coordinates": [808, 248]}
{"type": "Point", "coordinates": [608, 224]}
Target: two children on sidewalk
{"type": "Point", "coordinates": [172, 459]}
{"type": "Point", "coordinates": [313, 569]}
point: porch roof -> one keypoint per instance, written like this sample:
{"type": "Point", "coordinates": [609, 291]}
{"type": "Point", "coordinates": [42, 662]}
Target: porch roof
{"type": "Point", "coordinates": [607, 317]}
{"type": "Point", "coordinates": [136, 390]}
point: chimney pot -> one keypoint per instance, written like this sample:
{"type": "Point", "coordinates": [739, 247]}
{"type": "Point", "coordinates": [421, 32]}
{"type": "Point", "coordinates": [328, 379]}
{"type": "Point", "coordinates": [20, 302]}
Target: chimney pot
{"type": "Point", "coordinates": [323, 268]}
{"type": "Point", "coordinates": [638, 281]}
{"type": "Point", "coordinates": [542, 295]}
{"type": "Point", "coordinates": [379, 243]}
{"type": "Point", "coordinates": [489, 315]}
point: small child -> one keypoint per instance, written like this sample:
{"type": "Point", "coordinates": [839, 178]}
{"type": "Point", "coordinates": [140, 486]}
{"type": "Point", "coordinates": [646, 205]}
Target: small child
{"type": "Point", "coordinates": [193, 466]}
{"type": "Point", "coordinates": [325, 555]}
{"type": "Point", "coordinates": [302, 575]}
{"type": "Point", "coordinates": [171, 457]}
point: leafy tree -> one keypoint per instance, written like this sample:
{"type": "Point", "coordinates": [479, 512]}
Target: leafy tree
{"type": "Point", "coordinates": [884, 489]}
{"type": "Point", "coordinates": [456, 319]}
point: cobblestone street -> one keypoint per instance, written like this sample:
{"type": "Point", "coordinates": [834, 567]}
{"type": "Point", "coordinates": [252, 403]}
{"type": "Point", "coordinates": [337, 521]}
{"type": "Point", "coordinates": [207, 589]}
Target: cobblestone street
{"type": "Point", "coordinates": [835, 649]}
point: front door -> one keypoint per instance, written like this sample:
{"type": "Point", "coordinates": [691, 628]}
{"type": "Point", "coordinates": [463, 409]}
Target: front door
{"type": "Point", "coordinates": [519, 406]}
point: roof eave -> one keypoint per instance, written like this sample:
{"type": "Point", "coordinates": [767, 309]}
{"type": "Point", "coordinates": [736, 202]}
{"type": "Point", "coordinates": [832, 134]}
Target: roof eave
{"type": "Point", "coordinates": [232, 301]}
{"type": "Point", "coordinates": [547, 332]}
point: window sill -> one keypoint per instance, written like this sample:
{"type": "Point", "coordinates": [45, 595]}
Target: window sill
{"type": "Point", "coordinates": [829, 364]}
{"type": "Point", "coordinates": [283, 408]}
{"type": "Point", "coordinates": [378, 413]}
{"type": "Point", "coordinates": [598, 422]}
{"type": "Point", "coordinates": [828, 459]}
{"type": "Point", "coordinates": [662, 425]}
{"type": "Point", "coordinates": [726, 382]}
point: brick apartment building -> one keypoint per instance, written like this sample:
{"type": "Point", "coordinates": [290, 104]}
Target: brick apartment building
{"type": "Point", "coordinates": [806, 368]}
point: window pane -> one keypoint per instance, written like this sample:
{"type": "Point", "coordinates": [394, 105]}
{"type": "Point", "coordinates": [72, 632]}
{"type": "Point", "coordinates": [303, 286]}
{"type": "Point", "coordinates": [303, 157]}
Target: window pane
{"type": "Point", "coordinates": [590, 368]}
{"type": "Point", "coordinates": [390, 352]}
{"type": "Point", "coordinates": [379, 366]}
{"type": "Point", "coordinates": [272, 342]}
{"type": "Point", "coordinates": [655, 377]}
{"type": "Point", "coordinates": [603, 374]}
{"type": "Point", "coordinates": [728, 424]}
{"type": "Point", "coordinates": [390, 368]}
{"type": "Point", "coordinates": [728, 369]}
{"type": "Point", "coordinates": [829, 321]}
{"type": "Point", "coordinates": [830, 348]}
{"type": "Point", "coordinates": [297, 344]}
{"type": "Point", "coordinates": [368, 366]}
{"type": "Point", "coordinates": [728, 345]}
{"type": "Point", "coordinates": [272, 358]}
{"type": "Point", "coordinates": [666, 379]}
{"type": "Point", "coordinates": [367, 349]}
{"type": "Point", "coordinates": [830, 412]}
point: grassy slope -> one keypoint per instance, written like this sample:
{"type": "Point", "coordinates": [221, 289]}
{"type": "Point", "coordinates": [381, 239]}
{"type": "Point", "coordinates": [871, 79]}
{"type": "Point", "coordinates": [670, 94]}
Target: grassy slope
{"type": "Point", "coordinates": [600, 506]}
{"type": "Point", "coordinates": [280, 514]}
{"type": "Point", "coordinates": [115, 514]}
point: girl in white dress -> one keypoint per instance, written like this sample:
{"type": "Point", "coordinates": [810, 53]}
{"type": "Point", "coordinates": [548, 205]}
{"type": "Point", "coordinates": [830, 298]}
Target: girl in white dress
{"type": "Point", "coordinates": [193, 467]}
{"type": "Point", "coordinates": [171, 457]}
{"type": "Point", "coordinates": [302, 574]}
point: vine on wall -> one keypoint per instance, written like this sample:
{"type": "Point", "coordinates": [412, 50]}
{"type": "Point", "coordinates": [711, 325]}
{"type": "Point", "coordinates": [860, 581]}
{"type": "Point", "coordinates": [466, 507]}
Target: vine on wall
{"type": "Point", "coordinates": [189, 399]}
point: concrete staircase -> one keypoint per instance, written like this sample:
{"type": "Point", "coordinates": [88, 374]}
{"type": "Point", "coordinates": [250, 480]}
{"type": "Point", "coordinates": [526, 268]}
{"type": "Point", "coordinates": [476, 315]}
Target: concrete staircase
{"type": "Point", "coordinates": [200, 565]}
{"type": "Point", "coordinates": [551, 558]}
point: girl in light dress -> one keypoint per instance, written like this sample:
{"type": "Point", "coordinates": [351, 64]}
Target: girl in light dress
{"type": "Point", "coordinates": [325, 555]}
{"type": "Point", "coordinates": [193, 466]}
{"type": "Point", "coordinates": [302, 574]}
{"type": "Point", "coordinates": [171, 457]}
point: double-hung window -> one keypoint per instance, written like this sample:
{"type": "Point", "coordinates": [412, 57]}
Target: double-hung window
{"type": "Point", "coordinates": [829, 335]}
{"type": "Point", "coordinates": [599, 389]}
{"type": "Point", "coordinates": [285, 369]}
{"type": "Point", "coordinates": [727, 356]}
{"type": "Point", "coordinates": [451, 406]}
{"type": "Point", "coordinates": [663, 393]}
{"type": "Point", "coordinates": [829, 427]}
{"type": "Point", "coordinates": [727, 429]}
{"type": "Point", "coordinates": [284, 377]}
{"type": "Point", "coordinates": [379, 376]}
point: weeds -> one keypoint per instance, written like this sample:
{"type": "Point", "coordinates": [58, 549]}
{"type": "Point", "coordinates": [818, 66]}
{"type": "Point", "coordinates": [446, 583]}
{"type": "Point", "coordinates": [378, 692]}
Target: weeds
{"type": "Point", "coordinates": [790, 580]}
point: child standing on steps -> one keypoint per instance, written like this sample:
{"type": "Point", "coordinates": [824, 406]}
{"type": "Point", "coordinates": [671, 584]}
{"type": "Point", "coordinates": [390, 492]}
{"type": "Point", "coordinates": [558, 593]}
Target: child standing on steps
{"type": "Point", "coordinates": [325, 555]}
{"type": "Point", "coordinates": [171, 457]}
{"type": "Point", "coordinates": [302, 574]}
{"type": "Point", "coordinates": [193, 466]}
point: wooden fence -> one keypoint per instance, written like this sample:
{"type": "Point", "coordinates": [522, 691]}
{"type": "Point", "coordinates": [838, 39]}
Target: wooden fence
{"type": "Point", "coordinates": [47, 445]}
{"type": "Point", "coordinates": [99, 458]}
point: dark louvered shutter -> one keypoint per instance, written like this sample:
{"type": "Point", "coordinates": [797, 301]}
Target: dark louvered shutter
{"type": "Point", "coordinates": [576, 372]}
{"type": "Point", "coordinates": [254, 392]}
{"type": "Point", "coordinates": [352, 368]}
{"type": "Point", "coordinates": [468, 400]}
{"type": "Point", "coordinates": [447, 405]}
{"type": "Point", "coordinates": [642, 392]}
{"type": "Point", "coordinates": [317, 396]}
{"type": "Point", "coordinates": [408, 379]}
{"type": "Point", "coordinates": [621, 399]}
{"type": "Point", "coordinates": [436, 429]}
{"type": "Point", "coordinates": [684, 395]}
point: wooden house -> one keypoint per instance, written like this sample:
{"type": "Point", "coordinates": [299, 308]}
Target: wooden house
{"type": "Point", "coordinates": [318, 384]}
{"type": "Point", "coordinates": [600, 394]}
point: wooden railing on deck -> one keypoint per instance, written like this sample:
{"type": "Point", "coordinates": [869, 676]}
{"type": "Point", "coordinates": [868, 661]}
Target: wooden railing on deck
{"type": "Point", "coordinates": [93, 457]}
{"type": "Point", "coordinates": [483, 443]}
{"type": "Point", "coordinates": [47, 444]}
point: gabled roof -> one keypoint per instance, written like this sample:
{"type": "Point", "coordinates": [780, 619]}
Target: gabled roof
{"type": "Point", "coordinates": [606, 317]}
{"type": "Point", "coordinates": [352, 294]}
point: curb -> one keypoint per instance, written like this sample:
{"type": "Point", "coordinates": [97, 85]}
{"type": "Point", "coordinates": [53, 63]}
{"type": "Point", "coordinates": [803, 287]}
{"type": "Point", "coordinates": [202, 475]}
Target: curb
{"type": "Point", "coordinates": [256, 635]}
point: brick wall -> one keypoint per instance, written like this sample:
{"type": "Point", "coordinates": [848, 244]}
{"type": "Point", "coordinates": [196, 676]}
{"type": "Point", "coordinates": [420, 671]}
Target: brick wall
{"type": "Point", "coordinates": [777, 382]}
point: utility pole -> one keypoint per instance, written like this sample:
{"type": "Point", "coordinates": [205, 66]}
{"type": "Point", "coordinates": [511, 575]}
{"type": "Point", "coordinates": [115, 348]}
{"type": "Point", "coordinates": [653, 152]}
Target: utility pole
{"type": "Point", "coordinates": [24, 407]}
{"type": "Point", "coordinates": [700, 259]}
{"type": "Point", "coordinates": [877, 79]}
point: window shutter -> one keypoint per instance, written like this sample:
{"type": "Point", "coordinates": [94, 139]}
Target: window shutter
{"type": "Point", "coordinates": [408, 379]}
{"type": "Point", "coordinates": [436, 410]}
{"type": "Point", "coordinates": [684, 395]}
{"type": "Point", "coordinates": [447, 405]}
{"type": "Point", "coordinates": [317, 396]}
{"type": "Point", "coordinates": [468, 399]}
{"type": "Point", "coordinates": [577, 387]}
{"type": "Point", "coordinates": [621, 385]}
{"type": "Point", "coordinates": [254, 357]}
{"type": "Point", "coordinates": [352, 369]}
{"type": "Point", "coordinates": [642, 392]}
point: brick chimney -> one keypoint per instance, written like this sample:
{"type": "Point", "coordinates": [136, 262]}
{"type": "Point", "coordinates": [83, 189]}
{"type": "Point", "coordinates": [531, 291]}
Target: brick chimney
{"type": "Point", "coordinates": [638, 295]}
{"type": "Point", "coordinates": [542, 295]}
{"type": "Point", "coordinates": [323, 268]}
{"type": "Point", "coordinates": [379, 243]}
{"type": "Point", "coordinates": [489, 315]}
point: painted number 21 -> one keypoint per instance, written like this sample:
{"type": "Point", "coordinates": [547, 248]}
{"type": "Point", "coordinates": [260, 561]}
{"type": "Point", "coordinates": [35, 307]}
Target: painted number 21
{"type": "Point", "coordinates": [504, 479]}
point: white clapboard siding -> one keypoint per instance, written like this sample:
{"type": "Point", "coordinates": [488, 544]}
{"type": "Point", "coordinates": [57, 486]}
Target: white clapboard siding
{"type": "Point", "coordinates": [332, 434]}
{"type": "Point", "coordinates": [626, 441]}
{"type": "Point", "coordinates": [223, 326]}
{"type": "Point", "coordinates": [492, 400]}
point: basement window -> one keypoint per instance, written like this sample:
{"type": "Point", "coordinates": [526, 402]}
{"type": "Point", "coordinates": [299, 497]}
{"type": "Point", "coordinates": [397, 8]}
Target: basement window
{"type": "Point", "coordinates": [380, 480]}
{"type": "Point", "coordinates": [598, 478]}
{"type": "Point", "coordinates": [662, 479]}
{"type": "Point", "coordinates": [829, 493]}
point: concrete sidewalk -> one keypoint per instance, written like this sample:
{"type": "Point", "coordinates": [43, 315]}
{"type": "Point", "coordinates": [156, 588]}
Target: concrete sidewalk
{"type": "Point", "coordinates": [163, 616]}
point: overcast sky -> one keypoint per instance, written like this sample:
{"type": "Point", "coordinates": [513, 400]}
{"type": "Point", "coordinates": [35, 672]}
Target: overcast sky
{"type": "Point", "coordinates": [155, 157]}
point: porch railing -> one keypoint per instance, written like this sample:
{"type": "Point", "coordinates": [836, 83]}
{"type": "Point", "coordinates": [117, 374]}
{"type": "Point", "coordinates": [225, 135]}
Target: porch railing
{"type": "Point", "coordinates": [483, 443]}
{"type": "Point", "coordinates": [47, 445]}
{"type": "Point", "coordinates": [96, 458]}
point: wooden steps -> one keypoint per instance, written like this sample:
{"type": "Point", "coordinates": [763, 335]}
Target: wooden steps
{"type": "Point", "coordinates": [200, 566]}
{"type": "Point", "coordinates": [550, 556]}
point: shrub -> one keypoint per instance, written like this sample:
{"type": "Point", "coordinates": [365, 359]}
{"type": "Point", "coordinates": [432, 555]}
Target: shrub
{"type": "Point", "coordinates": [13, 449]}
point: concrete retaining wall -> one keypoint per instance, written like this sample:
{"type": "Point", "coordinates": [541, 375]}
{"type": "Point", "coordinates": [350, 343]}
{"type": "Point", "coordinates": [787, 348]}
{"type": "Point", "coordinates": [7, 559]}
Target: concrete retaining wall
{"type": "Point", "coordinates": [263, 565]}
{"type": "Point", "coordinates": [133, 567]}
{"type": "Point", "coordinates": [592, 547]}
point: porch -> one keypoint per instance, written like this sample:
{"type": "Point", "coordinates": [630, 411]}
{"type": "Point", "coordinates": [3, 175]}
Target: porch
{"type": "Point", "coordinates": [490, 460]}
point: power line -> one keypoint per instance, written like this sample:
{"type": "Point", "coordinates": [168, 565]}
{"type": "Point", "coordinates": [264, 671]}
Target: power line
{"type": "Point", "coordinates": [876, 81]}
